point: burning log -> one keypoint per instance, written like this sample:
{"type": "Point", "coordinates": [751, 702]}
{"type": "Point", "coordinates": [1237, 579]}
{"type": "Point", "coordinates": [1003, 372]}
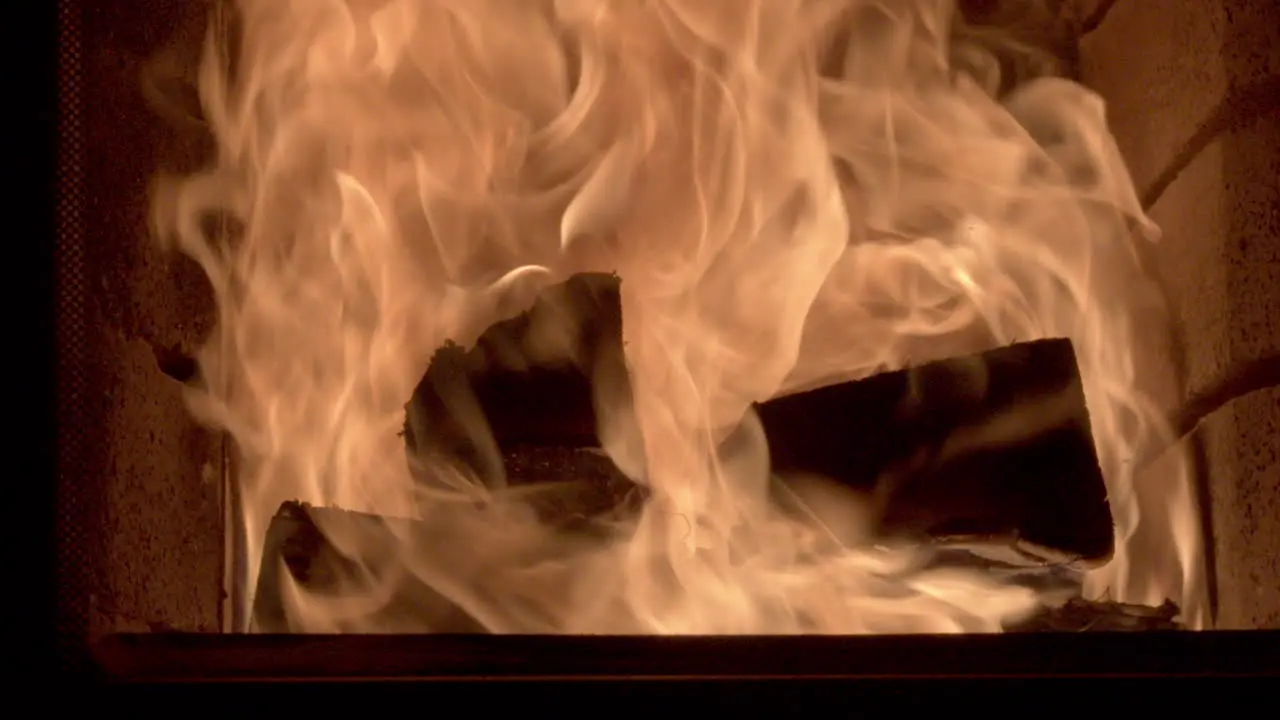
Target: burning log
{"type": "Point", "coordinates": [995, 447]}
{"type": "Point", "coordinates": [297, 544]}
{"type": "Point", "coordinates": [991, 451]}
{"type": "Point", "coordinates": [1080, 615]}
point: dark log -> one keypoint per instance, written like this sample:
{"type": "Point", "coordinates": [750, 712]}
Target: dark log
{"type": "Point", "coordinates": [996, 446]}
{"type": "Point", "coordinates": [297, 545]}
{"type": "Point", "coordinates": [993, 449]}
{"type": "Point", "coordinates": [1079, 615]}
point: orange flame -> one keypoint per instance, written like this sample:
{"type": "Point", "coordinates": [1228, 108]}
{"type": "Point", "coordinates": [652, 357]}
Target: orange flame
{"type": "Point", "coordinates": [793, 192]}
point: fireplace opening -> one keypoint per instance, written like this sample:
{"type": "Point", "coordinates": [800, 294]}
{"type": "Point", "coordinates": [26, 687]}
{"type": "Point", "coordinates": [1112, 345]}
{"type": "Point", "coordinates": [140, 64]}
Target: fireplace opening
{"type": "Point", "coordinates": [661, 320]}
{"type": "Point", "coordinates": [801, 224]}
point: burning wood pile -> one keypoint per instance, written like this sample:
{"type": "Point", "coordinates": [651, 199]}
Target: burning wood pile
{"type": "Point", "coordinates": [989, 459]}
{"type": "Point", "coordinates": [737, 317]}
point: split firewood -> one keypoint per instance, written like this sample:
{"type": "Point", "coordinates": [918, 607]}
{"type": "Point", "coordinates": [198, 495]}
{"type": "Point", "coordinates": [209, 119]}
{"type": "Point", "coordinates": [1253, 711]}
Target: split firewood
{"type": "Point", "coordinates": [994, 447]}
{"type": "Point", "coordinates": [989, 451]}
{"type": "Point", "coordinates": [297, 544]}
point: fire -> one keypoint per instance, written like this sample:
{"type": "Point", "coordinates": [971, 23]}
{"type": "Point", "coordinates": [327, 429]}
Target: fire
{"type": "Point", "coordinates": [793, 192]}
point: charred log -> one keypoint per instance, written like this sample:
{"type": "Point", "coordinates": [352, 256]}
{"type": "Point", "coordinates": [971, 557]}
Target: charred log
{"type": "Point", "coordinates": [297, 546]}
{"type": "Point", "coordinates": [992, 451]}
{"type": "Point", "coordinates": [995, 447]}
{"type": "Point", "coordinates": [1080, 615]}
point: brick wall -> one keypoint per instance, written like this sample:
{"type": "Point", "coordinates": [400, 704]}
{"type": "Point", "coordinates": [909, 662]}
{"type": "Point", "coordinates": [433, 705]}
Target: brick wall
{"type": "Point", "coordinates": [1193, 96]}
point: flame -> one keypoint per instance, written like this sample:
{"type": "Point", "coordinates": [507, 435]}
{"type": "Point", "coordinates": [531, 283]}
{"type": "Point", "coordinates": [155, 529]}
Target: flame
{"type": "Point", "coordinates": [794, 192]}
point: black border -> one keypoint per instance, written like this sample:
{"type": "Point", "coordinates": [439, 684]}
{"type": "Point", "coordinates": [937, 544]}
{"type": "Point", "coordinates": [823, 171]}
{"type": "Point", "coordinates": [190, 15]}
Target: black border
{"type": "Point", "coordinates": [34, 55]}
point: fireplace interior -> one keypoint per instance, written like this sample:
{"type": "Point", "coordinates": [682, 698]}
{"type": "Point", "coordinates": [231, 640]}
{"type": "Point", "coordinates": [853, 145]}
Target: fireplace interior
{"type": "Point", "coordinates": [150, 540]}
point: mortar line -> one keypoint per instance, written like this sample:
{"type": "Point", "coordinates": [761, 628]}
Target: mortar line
{"type": "Point", "coordinates": [1097, 17]}
{"type": "Point", "coordinates": [1240, 107]}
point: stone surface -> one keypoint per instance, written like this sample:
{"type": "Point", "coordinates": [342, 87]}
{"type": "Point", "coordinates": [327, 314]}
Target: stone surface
{"type": "Point", "coordinates": [1243, 465]}
{"type": "Point", "coordinates": [1164, 68]}
{"type": "Point", "coordinates": [161, 526]}
{"type": "Point", "coordinates": [1219, 262]}
{"type": "Point", "coordinates": [152, 515]}
{"type": "Point", "coordinates": [1219, 258]}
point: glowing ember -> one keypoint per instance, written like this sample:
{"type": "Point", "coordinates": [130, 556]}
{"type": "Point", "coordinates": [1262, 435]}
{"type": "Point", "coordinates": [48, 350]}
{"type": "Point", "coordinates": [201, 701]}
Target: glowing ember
{"type": "Point", "coordinates": [792, 191]}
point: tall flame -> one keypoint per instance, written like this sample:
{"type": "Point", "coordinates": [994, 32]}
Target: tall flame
{"type": "Point", "coordinates": [794, 192]}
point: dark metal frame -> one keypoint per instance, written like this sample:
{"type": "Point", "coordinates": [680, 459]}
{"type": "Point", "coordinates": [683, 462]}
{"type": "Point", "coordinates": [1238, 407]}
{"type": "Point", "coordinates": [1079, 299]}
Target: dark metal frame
{"type": "Point", "coordinates": [182, 657]}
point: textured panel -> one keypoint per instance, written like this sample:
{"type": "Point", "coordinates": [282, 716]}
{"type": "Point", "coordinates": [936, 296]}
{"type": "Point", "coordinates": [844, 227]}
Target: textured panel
{"type": "Point", "coordinates": [72, 540]}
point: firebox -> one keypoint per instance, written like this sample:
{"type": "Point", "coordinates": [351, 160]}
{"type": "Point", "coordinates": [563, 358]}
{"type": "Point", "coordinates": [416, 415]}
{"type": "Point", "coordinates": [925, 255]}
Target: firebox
{"type": "Point", "coordinates": [695, 339]}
